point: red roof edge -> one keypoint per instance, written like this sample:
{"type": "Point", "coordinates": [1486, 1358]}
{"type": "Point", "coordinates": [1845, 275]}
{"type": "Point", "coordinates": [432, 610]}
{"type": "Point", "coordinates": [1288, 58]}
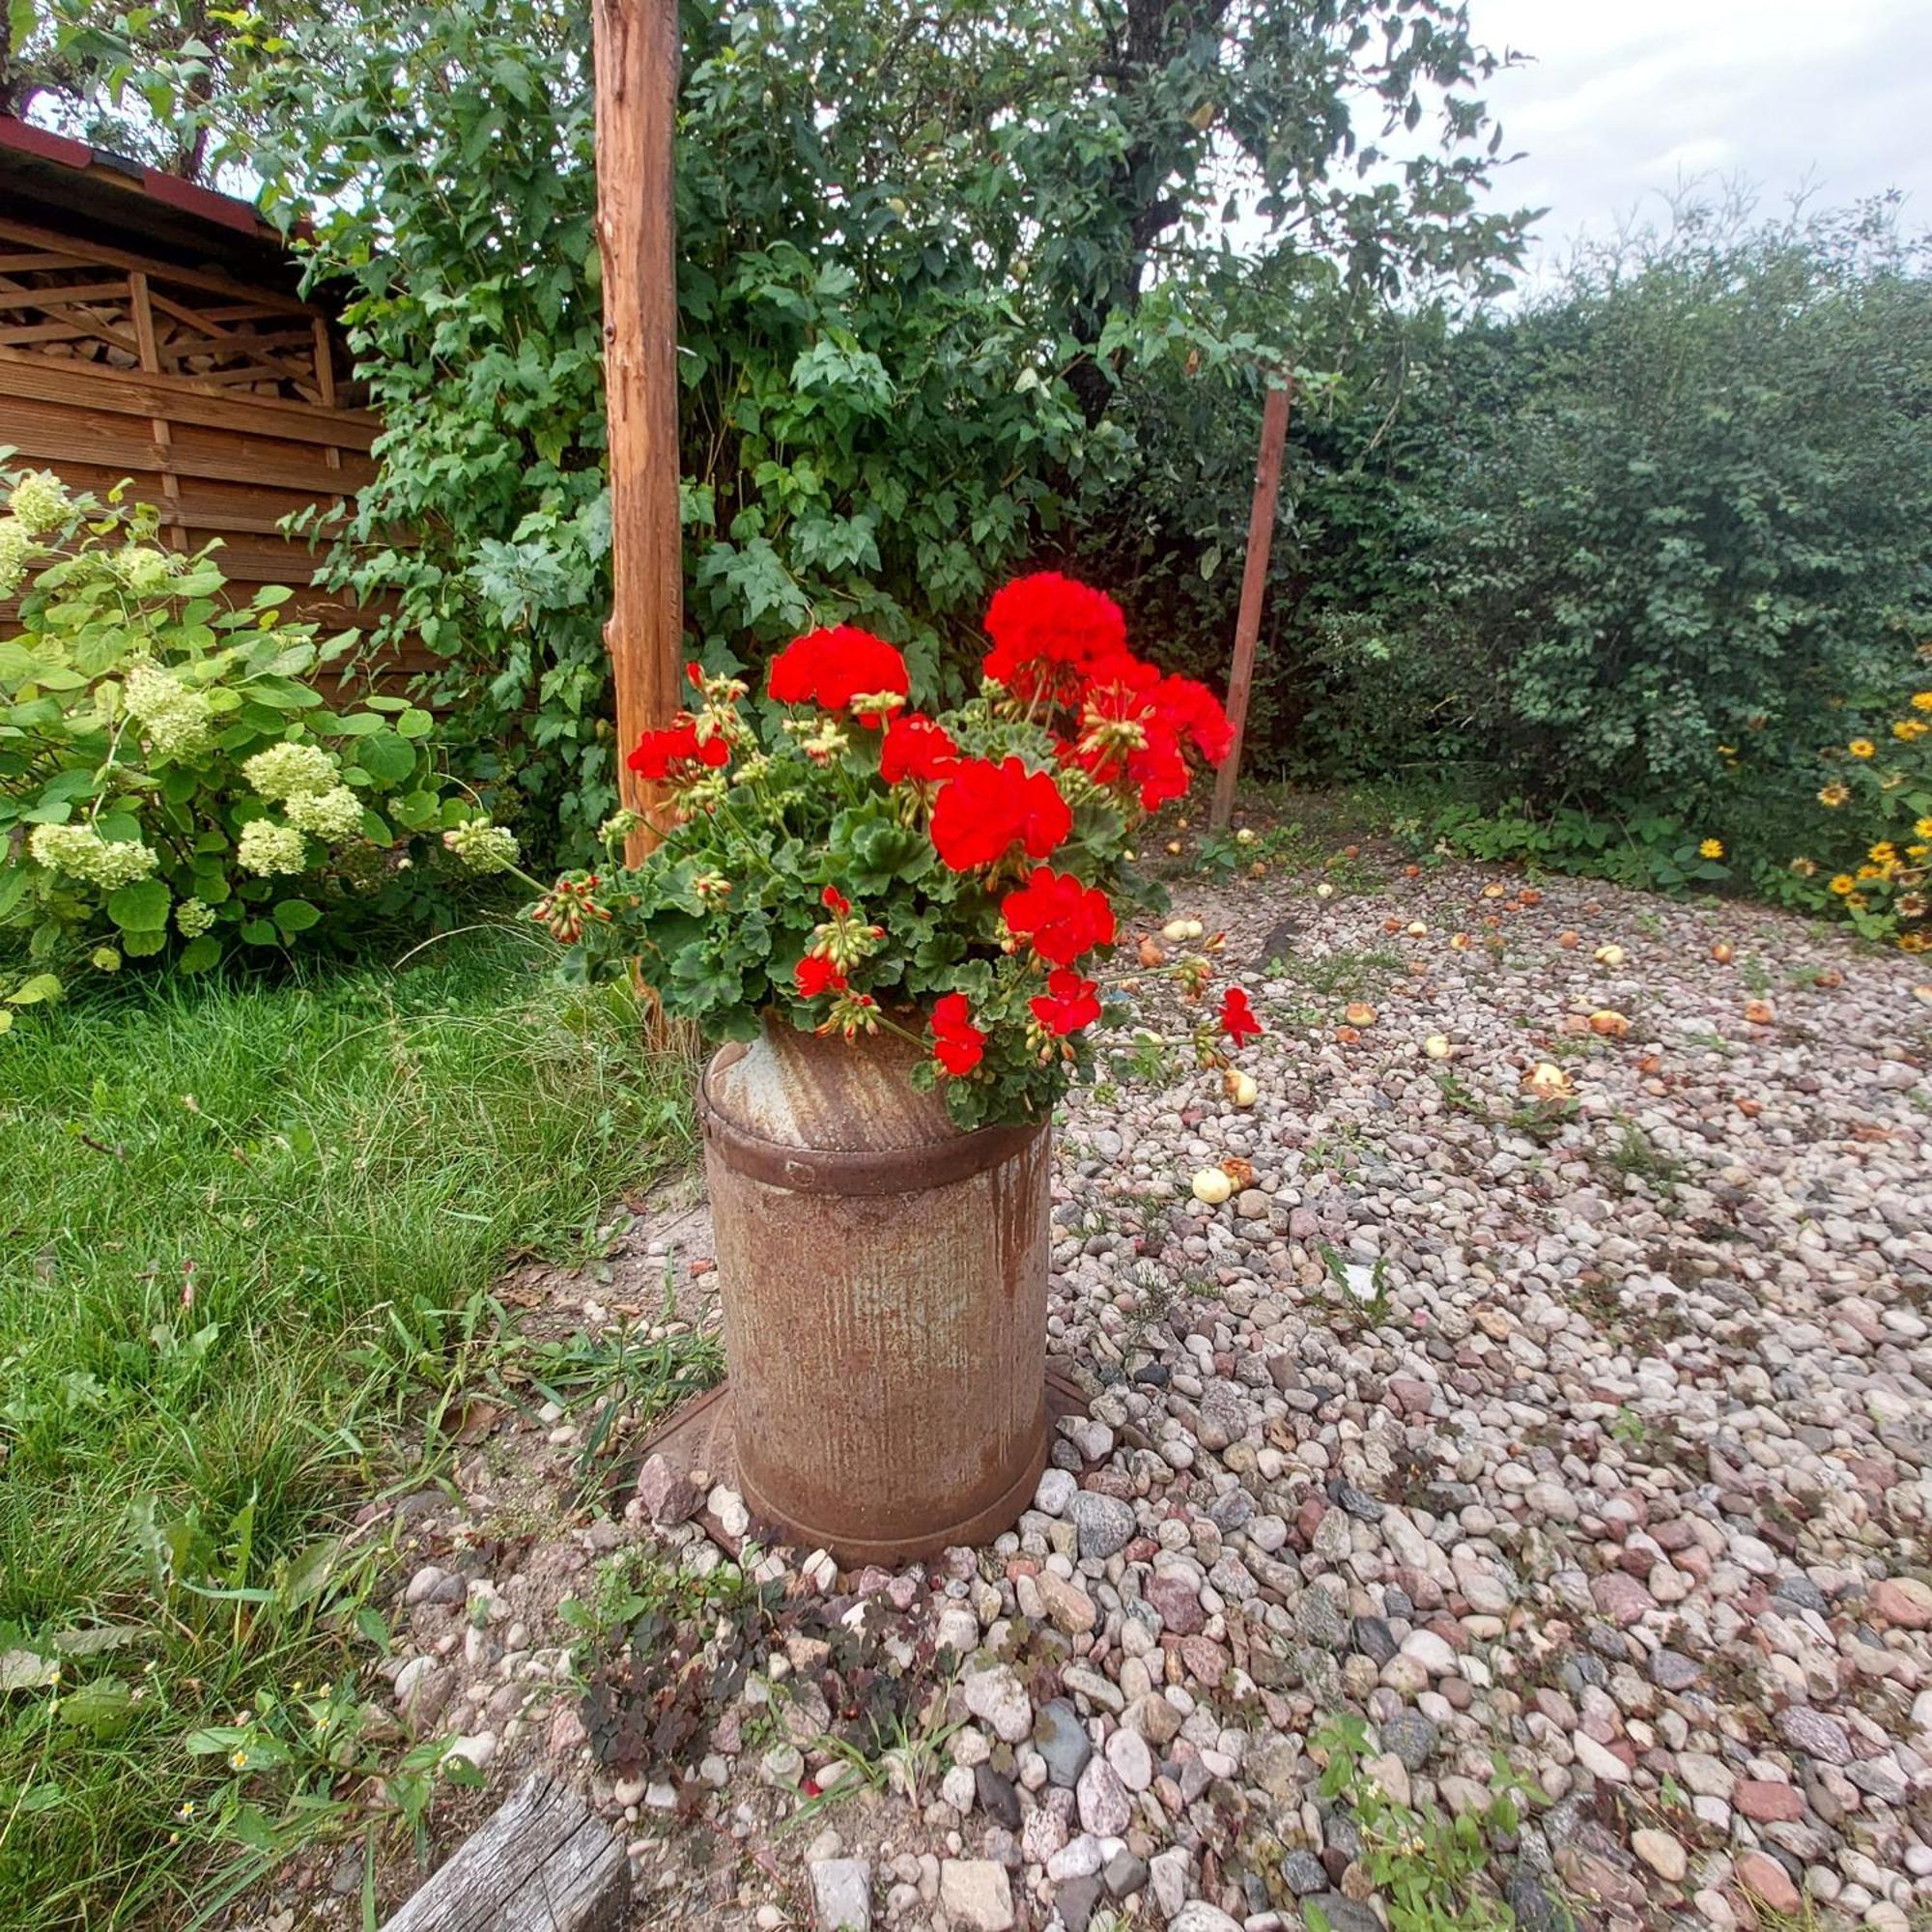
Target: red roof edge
{"type": "Point", "coordinates": [206, 203]}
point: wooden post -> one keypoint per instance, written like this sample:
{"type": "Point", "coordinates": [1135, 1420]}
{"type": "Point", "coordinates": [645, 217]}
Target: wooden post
{"type": "Point", "coordinates": [637, 54]}
{"type": "Point", "coordinates": [1253, 586]}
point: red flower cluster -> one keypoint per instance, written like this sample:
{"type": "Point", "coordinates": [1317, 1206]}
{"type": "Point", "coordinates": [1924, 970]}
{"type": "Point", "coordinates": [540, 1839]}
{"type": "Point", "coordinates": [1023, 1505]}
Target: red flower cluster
{"type": "Point", "coordinates": [983, 808]}
{"type": "Point", "coordinates": [1238, 1018]}
{"type": "Point", "coordinates": [814, 977]}
{"type": "Point", "coordinates": [1136, 728]}
{"type": "Point", "coordinates": [676, 755]}
{"type": "Point", "coordinates": [957, 1044]}
{"type": "Point", "coordinates": [1062, 918]}
{"type": "Point", "coordinates": [1051, 635]}
{"type": "Point", "coordinates": [831, 667]}
{"type": "Point", "coordinates": [917, 749]}
{"type": "Point", "coordinates": [1069, 1003]}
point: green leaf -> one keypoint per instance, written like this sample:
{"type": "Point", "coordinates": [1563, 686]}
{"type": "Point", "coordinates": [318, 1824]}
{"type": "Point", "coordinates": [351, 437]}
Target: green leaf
{"type": "Point", "coordinates": [102, 1707]}
{"type": "Point", "coordinates": [385, 758]}
{"type": "Point", "coordinates": [144, 941]}
{"type": "Point", "coordinates": [414, 723]}
{"type": "Point", "coordinates": [260, 932]}
{"type": "Point", "coordinates": [295, 915]}
{"type": "Point", "coordinates": [142, 907]}
{"type": "Point", "coordinates": [199, 954]}
{"type": "Point", "coordinates": [41, 986]}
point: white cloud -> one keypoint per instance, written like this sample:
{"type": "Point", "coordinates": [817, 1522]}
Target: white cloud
{"type": "Point", "coordinates": [1622, 100]}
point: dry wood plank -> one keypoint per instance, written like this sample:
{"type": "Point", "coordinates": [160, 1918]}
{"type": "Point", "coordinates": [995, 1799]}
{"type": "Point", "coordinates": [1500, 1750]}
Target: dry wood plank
{"type": "Point", "coordinates": [88, 386]}
{"type": "Point", "coordinates": [544, 1864]}
{"type": "Point", "coordinates": [52, 433]}
{"type": "Point", "coordinates": [98, 255]}
{"type": "Point", "coordinates": [80, 292]}
{"type": "Point", "coordinates": [15, 265]}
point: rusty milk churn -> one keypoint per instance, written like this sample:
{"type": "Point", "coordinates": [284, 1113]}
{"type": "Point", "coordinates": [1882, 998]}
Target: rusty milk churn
{"type": "Point", "coordinates": [884, 1285]}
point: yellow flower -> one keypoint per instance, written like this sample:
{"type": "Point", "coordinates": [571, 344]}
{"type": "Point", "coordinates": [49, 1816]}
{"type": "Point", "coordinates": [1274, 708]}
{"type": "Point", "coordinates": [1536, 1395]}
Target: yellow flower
{"type": "Point", "coordinates": [1710, 848]}
{"type": "Point", "coordinates": [1921, 828]}
{"type": "Point", "coordinates": [1870, 872]}
{"type": "Point", "coordinates": [1844, 885]}
{"type": "Point", "coordinates": [1834, 794]}
{"type": "Point", "coordinates": [1921, 700]}
{"type": "Point", "coordinates": [1863, 748]}
{"type": "Point", "coordinates": [1913, 942]}
{"type": "Point", "coordinates": [1805, 867]}
{"type": "Point", "coordinates": [1883, 852]}
{"type": "Point", "coordinates": [1912, 906]}
{"type": "Point", "coordinates": [1908, 730]}
{"type": "Point", "coordinates": [1858, 902]}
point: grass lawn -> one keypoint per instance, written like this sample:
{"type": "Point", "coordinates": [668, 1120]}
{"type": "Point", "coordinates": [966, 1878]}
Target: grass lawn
{"type": "Point", "coordinates": [245, 1230]}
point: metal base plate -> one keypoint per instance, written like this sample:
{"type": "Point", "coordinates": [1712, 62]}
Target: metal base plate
{"type": "Point", "coordinates": [699, 1440]}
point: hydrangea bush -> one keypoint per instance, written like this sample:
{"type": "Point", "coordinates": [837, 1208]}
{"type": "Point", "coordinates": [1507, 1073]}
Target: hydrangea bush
{"type": "Point", "coordinates": [833, 860]}
{"type": "Point", "coordinates": [169, 784]}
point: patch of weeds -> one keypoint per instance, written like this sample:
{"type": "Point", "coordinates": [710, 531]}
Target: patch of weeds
{"type": "Point", "coordinates": [1638, 1158]}
{"type": "Point", "coordinates": [1342, 1154]}
{"type": "Point", "coordinates": [1628, 1426]}
{"type": "Point", "coordinates": [1755, 974]}
{"type": "Point", "coordinates": [1355, 1309]}
{"type": "Point", "coordinates": [903, 1751]}
{"type": "Point", "coordinates": [1540, 1121]}
{"type": "Point", "coordinates": [1714, 1042]}
{"type": "Point", "coordinates": [1424, 1867]}
{"type": "Point", "coordinates": [1459, 1098]}
{"type": "Point", "coordinates": [1154, 1298]}
{"type": "Point", "coordinates": [1343, 975]}
{"type": "Point", "coordinates": [1148, 1061]}
{"type": "Point", "coordinates": [1648, 924]}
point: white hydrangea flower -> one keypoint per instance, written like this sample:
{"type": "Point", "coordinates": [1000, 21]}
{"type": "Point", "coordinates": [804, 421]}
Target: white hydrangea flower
{"type": "Point", "coordinates": [195, 917]}
{"type": "Point", "coordinates": [335, 814]}
{"type": "Point", "coordinates": [81, 853]}
{"type": "Point", "coordinates": [288, 770]}
{"type": "Point", "coordinates": [176, 722]}
{"type": "Point", "coordinates": [40, 503]}
{"type": "Point", "coordinates": [17, 548]}
{"type": "Point", "coordinates": [266, 847]}
{"type": "Point", "coordinates": [481, 846]}
{"type": "Point", "coordinates": [144, 569]}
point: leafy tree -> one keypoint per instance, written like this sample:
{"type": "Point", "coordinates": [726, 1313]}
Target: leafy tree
{"type": "Point", "coordinates": [917, 254]}
{"type": "Point", "coordinates": [1653, 528]}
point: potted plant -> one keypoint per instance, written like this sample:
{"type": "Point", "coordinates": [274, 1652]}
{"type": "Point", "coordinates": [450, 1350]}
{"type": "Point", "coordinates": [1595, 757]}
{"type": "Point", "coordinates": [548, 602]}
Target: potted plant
{"type": "Point", "coordinates": [897, 923]}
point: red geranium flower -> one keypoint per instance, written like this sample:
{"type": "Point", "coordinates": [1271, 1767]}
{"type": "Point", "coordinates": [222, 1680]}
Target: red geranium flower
{"type": "Point", "coordinates": [1061, 917]}
{"type": "Point", "coordinates": [983, 808]}
{"type": "Point", "coordinates": [1069, 1003]}
{"type": "Point", "coordinates": [814, 977]}
{"type": "Point", "coordinates": [675, 755]}
{"type": "Point", "coordinates": [915, 747]}
{"type": "Point", "coordinates": [957, 1044]}
{"type": "Point", "coordinates": [831, 667]}
{"type": "Point", "coordinates": [1050, 633]}
{"type": "Point", "coordinates": [834, 901]}
{"type": "Point", "coordinates": [1238, 1018]}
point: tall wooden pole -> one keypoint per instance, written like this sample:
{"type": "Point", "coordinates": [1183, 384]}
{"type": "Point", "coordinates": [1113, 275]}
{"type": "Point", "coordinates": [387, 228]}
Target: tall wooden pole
{"type": "Point", "coordinates": [1254, 587]}
{"type": "Point", "coordinates": [636, 56]}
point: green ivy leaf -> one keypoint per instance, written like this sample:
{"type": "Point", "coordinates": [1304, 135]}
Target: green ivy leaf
{"type": "Point", "coordinates": [295, 915]}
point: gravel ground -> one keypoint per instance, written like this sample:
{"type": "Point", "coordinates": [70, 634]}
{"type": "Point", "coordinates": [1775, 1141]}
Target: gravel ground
{"type": "Point", "coordinates": [1554, 1395]}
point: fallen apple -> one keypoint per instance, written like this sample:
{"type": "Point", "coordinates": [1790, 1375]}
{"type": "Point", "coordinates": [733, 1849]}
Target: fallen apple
{"type": "Point", "coordinates": [1211, 1187]}
{"type": "Point", "coordinates": [1437, 1046]}
{"type": "Point", "coordinates": [1239, 1087]}
{"type": "Point", "coordinates": [1609, 1024]}
{"type": "Point", "coordinates": [1608, 956]}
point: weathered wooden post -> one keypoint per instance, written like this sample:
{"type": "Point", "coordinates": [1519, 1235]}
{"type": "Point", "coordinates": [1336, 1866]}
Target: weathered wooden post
{"type": "Point", "coordinates": [636, 56]}
{"type": "Point", "coordinates": [1254, 587]}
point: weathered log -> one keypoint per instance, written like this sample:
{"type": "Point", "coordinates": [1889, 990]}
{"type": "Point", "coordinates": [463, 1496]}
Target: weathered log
{"type": "Point", "coordinates": [544, 1864]}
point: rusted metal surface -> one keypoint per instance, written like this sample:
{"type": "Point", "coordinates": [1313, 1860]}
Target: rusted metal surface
{"type": "Point", "coordinates": [885, 1298]}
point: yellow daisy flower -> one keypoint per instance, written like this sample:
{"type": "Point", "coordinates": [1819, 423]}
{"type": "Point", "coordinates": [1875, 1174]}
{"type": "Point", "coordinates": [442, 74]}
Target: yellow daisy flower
{"type": "Point", "coordinates": [1834, 794]}
{"type": "Point", "coordinates": [1913, 942]}
{"type": "Point", "coordinates": [1871, 873]}
{"type": "Point", "coordinates": [1883, 852]}
{"type": "Point", "coordinates": [1844, 885]}
{"type": "Point", "coordinates": [1912, 906]}
{"type": "Point", "coordinates": [1805, 867]}
{"type": "Point", "coordinates": [1921, 700]}
{"type": "Point", "coordinates": [1908, 731]}
{"type": "Point", "coordinates": [1863, 748]}
{"type": "Point", "coordinates": [1710, 848]}
{"type": "Point", "coordinates": [1921, 828]}
{"type": "Point", "coordinates": [1858, 902]}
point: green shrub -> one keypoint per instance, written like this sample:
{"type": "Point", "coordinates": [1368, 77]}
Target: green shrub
{"type": "Point", "coordinates": [170, 786]}
{"type": "Point", "coordinates": [1660, 522]}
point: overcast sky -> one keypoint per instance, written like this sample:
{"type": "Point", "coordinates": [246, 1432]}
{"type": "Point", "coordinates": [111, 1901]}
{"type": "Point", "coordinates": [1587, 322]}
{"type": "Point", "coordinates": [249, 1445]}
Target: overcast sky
{"type": "Point", "coordinates": [1624, 96]}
